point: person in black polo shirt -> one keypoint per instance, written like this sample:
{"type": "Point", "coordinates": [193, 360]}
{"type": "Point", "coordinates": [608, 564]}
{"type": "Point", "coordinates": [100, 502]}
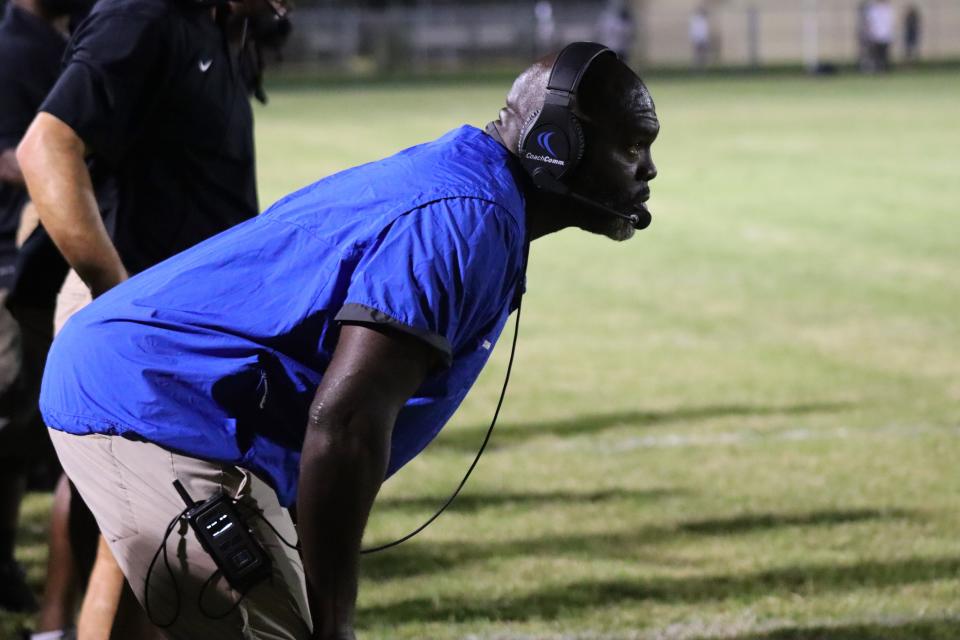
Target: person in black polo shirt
{"type": "Point", "coordinates": [33, 35]}
{"type": "Point", "coordinates": [153, 100]}
{"type": "Point", "coordinates": [152, 92]}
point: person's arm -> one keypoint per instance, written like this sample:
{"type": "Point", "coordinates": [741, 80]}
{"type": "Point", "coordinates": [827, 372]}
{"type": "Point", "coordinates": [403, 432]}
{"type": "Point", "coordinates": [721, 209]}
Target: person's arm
{"type": "Point", "coordinates": [17, 107]}
{"type": "Point", "coordinates": [344, 460]}
{"type": "Point", "coordinates": [10, 168]}
{"type": "Point", "coordinates": [51, 157]}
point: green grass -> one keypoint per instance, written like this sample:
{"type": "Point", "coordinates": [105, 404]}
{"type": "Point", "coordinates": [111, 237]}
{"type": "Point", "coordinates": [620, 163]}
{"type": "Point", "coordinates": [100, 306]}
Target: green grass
{"type": "Point", "coordinates": [741, 424]}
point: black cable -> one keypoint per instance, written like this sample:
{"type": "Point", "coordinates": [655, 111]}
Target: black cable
{"type": "Point", "coordinates": [258, 513]}
{"type": "Point", "coordinates": [176, 588]}
{"type": "Point", "coordinates": [486, 439]}
{"type": "Point", "coordinates": [220, 616]}
{"type": "Point", "coordinates": [162, 549]}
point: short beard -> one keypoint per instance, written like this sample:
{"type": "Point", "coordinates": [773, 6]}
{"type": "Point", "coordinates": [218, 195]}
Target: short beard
{"type": "Point", "coordinates": [616, 229]}
{"type": "Point", "coordinates": [620, 230]}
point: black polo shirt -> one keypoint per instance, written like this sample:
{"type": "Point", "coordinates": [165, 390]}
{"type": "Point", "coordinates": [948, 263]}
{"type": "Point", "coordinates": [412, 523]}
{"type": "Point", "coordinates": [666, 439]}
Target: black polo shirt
{"type": "Point", "coordinates": [30, 54]}
{"type": "Point", "coordinates": [153, 90]}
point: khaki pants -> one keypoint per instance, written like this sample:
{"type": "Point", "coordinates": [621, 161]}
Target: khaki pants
{"type": "Point", "coordinates": [74, 295]}
{"type": "Point", "coordinates": [128, 486]}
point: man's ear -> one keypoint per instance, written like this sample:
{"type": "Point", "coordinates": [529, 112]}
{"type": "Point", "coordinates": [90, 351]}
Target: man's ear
{"type": "Point", "coordinates": [510, 124]}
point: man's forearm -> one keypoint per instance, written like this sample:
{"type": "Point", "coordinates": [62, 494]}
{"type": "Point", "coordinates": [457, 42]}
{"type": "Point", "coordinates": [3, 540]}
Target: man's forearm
{"type": "Point", "coordinates": [51, 157]}
{"type": "Point", "coordinates": [10, 168]}
{"type": "Point", "coordinates": [341, 469]}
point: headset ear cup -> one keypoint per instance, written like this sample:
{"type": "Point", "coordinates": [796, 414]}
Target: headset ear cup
{"type": "Point", "coordinates": [577, 145]}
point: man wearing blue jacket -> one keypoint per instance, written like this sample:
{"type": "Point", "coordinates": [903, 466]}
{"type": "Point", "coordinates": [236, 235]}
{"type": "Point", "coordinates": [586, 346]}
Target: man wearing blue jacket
{"type": "Point", "coordinates": [302, 357]}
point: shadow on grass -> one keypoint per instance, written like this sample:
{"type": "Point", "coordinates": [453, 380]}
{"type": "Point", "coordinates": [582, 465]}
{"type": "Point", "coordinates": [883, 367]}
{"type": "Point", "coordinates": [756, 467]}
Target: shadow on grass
{"type": "Point", "coordinates": [747, 523]}
{"type": "Point", "coordinates": [425, 558]}
{"type": "Point", "coordinates": [929, 629]}
{"type": "Point", "coordinates": [468, 438]}
{"type": "Point", "coordinates": [566, 600]}
{"type": "Point", "coordinates": [434, 557]}
{"type": "Point", "coordinates": [473, 502]}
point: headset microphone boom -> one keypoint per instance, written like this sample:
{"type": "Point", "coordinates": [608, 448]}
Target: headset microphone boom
{"type": "Point", "coordinates": [544, 180]}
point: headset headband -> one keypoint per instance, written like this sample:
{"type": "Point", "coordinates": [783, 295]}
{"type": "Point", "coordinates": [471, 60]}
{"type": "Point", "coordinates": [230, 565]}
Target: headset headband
{"type": "Point", "coordinates": [551, 142]}
{"type": "Point", "coordinates": [571, 64]}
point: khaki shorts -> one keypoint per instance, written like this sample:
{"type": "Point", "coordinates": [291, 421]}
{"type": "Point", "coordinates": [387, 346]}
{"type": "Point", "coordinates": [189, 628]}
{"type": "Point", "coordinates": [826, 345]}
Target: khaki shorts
{"type": "Point", "coordinates": [128, 486]}
{"type": "Point", "coordinates": [74, 295]}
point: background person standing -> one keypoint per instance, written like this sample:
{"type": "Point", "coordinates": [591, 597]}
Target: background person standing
{"type": "Point", "coordinates": [700, 40]}
{"type": "Point", "coordinates": [911, 33]}
{"type": "Point", "coordinates": [33, 35]}
{"type": "Point", "coordinates": [616, 28]}
{"type": "Point", "coordinates": [880, 28]}
{"type": "Point", "coordinates": [153, 102]}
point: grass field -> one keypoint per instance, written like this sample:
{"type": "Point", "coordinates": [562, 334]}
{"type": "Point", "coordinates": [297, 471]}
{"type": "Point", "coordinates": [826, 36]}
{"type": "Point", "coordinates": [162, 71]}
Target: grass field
{"type": "Point", "coordinates": [741, 424]}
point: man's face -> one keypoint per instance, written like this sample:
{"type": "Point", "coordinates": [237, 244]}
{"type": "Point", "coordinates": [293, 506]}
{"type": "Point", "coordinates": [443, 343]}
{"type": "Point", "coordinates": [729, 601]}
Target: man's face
{"type": "Point", "coordinates": [617, 165]}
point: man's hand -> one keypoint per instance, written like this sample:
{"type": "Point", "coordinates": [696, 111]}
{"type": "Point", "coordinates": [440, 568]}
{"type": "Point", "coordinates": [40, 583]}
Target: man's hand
{"type": "Point", "coordinates": [51, 156]}
{"type": "Point", "coordinates": [344, 460]}
{"type": "Point", "coordinates": [10, 168]}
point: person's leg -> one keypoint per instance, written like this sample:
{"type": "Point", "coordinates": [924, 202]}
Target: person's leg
{"type": "Point", "coordinates": [112, 610]}
{"type": "Point", "coordinates": [62, 585]}
{"type": "Point", "coordinates": [72, 537]}
{"type": "Point", "coordinates": [12, 483]}
{"type": "Point", "coordinates": [128, 486]}
{"type": "Point", "coordinates": [15, 595]}
{"type": "Point", "coordinates": [25, 437]}
{"type": "Point", "coordinates": [100, 604]}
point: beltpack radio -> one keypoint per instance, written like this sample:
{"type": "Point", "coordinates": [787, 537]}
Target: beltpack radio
{"type": "Point", "coordinates": [226, 537]}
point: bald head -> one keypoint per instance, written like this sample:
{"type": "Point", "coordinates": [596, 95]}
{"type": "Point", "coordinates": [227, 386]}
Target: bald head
{"type": "Point", "coordinates": [608, 90]}
{"type": "Point", "coordinates": [526, 95]}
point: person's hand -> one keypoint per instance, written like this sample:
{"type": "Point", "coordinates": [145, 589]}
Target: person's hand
{"type": "Point", "coordinates": [102, 283]}
{"type": "Point", "coordinates": [9, 168]}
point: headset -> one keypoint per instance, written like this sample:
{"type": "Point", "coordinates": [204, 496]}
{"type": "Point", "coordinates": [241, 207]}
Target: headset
{"type": "Point", "coordinates": [552, 141]}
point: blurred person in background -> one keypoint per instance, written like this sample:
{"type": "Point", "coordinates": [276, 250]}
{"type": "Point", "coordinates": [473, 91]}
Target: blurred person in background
{"type": "Point", "coordinates": [544, 27]}
{"type": "Point", "coordinates": [881, 23]}
{"type": "Point", "coordinates": [152, 106]}
{"type": "Point", "coordinates": [33, 35]}
{"type": "Point", "coordinates": [911, 33]}
{"type": "Point", "coordinates": [700, 37]}
{"type": "Point", "coordinates": [862, 37]}
{"type": "Point", "coordinates": [616, 28]}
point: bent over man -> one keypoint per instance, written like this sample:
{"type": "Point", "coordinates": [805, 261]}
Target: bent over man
{"type": "Point", "coordinates": [304, 356]}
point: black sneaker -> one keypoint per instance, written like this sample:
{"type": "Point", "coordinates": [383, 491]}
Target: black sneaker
{"type": "Point", "coordinates": [15, 595]}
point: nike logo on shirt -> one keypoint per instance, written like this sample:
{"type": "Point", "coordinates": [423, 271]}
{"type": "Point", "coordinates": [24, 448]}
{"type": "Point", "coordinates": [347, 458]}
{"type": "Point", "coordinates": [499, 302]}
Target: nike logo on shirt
{"type": "Point", "coordinates": [205, 64]}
